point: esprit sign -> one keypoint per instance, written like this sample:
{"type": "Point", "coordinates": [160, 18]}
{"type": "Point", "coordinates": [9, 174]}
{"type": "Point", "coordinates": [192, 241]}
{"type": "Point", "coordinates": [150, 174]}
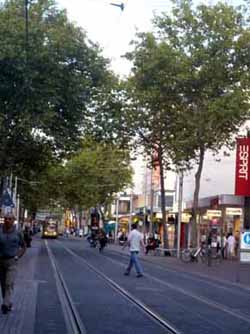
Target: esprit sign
{"type": "Point", "coordinates": [242, 173]}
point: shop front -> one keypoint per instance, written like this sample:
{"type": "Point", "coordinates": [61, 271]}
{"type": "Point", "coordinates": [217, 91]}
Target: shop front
{"type": "Point", "coordinates": [221, 215]}
{"type": "Point", "coordinates": [170, 226]}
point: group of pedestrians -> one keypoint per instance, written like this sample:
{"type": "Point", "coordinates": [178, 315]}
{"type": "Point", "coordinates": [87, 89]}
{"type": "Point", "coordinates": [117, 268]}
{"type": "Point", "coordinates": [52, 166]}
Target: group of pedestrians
{"type": "Point", "coordinates": [226, 245]}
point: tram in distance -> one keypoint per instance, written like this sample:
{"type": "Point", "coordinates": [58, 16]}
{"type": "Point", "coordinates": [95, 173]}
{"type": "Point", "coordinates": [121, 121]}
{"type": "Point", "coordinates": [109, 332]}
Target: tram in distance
{"type": "Point", "coordinates": [50, 228]}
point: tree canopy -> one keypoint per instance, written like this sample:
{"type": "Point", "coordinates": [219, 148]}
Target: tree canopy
{"type": "Point", "coordinates": [90, 178]}
{"type": "Point", "coordinates": [48, 79]}
{"type": "Point", "coordinates": [190, 82]}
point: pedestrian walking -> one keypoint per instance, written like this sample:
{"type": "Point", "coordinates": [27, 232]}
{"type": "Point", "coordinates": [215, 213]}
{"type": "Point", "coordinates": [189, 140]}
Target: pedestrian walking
{"type": "Point", "coordinates": [12, 247]}
{"type": "Point", "coordinates": [27, 236]}
{"type": "Point", "coordinates": [102, 239]}
{"type": "Point", "coordinates": [135, 242]}
{"type": "Point", "coordinates": [231, 246]}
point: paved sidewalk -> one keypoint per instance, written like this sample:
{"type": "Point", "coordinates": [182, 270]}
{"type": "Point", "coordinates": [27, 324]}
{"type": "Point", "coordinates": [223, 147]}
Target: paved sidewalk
{"type": "Point", "coordinates": [22, 318]}
{"type": "Point", "coordinates": [231, 271]}
{"type": "Point", "coordinates": [37, 309]}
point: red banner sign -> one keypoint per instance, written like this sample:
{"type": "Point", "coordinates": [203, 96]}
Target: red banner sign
{"type": "Point", "coordinates": [242, 173]}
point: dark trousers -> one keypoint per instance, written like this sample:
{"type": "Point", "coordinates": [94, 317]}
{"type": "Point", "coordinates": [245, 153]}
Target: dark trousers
{"type": "Point", "coordinates": [8, 270]}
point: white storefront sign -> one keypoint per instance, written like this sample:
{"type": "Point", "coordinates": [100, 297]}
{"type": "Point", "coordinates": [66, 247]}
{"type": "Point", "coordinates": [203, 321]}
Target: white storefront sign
{"type": "Point", "coordinates": [233, 211]}
{"type": "Point", "coordinates": [213, 213]}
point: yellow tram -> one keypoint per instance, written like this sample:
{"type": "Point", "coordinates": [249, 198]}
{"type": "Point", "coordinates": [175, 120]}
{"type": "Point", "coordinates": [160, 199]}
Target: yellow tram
{"type": "Point", "coordinates": [50, 228]}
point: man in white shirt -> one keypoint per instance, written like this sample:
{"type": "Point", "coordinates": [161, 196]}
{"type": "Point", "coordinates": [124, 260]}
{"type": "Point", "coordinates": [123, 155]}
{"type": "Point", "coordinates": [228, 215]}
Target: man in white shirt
{"type": "Point", "coordinates": [231, 246]}
{"type": "Point", "coordinates": [135, 242]}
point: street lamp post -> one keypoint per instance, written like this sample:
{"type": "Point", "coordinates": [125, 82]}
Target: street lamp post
{"type": "Point", "coordinates": [151, 203]}
{"type": "Point", "coordinates": [18, 210]}
{"type": "Point", "coordinates": [16, 196]}
{"type": "Point", "coordinates": [180, 196]}
{"type": "Point", "coordinates": [26, 4]}
{"type": "Point", "coordinates": [131, 211]}
{"type": "Point", "coordinates": [116, 217]}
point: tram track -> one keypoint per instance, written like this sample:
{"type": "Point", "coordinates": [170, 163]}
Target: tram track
{"type": "Point", "coordinates": [198, 277]}
{"type": "Point", "coordinates": [163, 323]}
{"type": "Point", "coordinates": [231, 311]}
{"type": "Point", "coordinates": [146, 307]}
{"type": "Point", "coordinates": [242, 316]}
{"type": "Point", "coordinates": [72, 319]}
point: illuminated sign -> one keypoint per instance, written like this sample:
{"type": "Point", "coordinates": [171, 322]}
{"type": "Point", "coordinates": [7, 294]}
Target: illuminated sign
{"type": "Point", "coordinates": [213, 213]}
{"type": "Point", "coordinates": [233, 211]}
{"type": "Point", "coordinates": [242, 173]}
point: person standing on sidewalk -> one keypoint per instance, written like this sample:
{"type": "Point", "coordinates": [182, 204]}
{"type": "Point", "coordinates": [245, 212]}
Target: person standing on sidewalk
{"type": "Point", "coordinates": [12, 247]}
{"type": "Point", "coordinates": [135, 242]}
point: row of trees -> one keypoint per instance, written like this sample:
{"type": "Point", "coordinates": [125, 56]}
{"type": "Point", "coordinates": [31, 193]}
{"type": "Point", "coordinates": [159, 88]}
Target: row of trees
{"type": "Point", "coordinates": [64, 113]}
{"type": "Point", "coordinates": [90, 178]}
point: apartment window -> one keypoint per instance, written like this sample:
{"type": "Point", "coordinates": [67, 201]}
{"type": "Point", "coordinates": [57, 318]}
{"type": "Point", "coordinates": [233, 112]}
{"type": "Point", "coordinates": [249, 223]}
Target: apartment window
{"type": "Point", "coordinates": [169, 201]}
{"type": "Point", "coordinates": [124, 207]}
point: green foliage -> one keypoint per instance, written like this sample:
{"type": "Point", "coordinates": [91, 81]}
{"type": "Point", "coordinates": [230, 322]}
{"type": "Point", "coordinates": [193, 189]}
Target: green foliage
{"type": "Point", "coordinates": [214, 42]}
{"type": "Point", "coordinates": [46, 85]}
{"type": "Point", "coordinates": [107, 117]}
{"type": "Point", "coordinates": [90, 178]}
{"type": "Point", "coordinates": [190, 83]}
{"type": "Point", "coordinates": [157, 102]}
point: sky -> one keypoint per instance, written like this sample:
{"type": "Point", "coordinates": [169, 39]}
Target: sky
{"type": "Point", "coordinates": [114, 29]}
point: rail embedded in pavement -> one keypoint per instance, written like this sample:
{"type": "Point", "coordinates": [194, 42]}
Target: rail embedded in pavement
{"type": "Point", "coordinates": [72, 318]}
{"type": "Point", "coordinates": [153, 315]}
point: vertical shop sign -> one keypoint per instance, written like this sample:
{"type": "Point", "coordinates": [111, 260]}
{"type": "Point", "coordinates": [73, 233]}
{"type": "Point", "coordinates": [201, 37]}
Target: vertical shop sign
{"type": "Point", "coordinates": [242, 172]}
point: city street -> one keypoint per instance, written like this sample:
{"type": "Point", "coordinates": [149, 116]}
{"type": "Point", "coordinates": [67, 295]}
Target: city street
{"type": "Point", "coordinates": [64, 286]}
{"type": "Point", "coordinates": [130, 133]}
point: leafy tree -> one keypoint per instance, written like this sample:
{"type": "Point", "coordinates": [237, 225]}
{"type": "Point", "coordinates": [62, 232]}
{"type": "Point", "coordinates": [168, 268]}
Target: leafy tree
{"type": "Point", "coordinates": [46, 85]}
{"type": "Point", "coordinates": [89, 179]}
{"type": "Point", "coordinates": [107, 116]}
{"type": "Point", "coordinates": [215, 84]}
{"type": "Point", "coordinates": [155, 103]}
{"type": "Point", "coordinates": [190, 85]}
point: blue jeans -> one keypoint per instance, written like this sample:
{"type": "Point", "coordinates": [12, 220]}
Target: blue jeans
{"type": "Point", "coordinates": [134, 261]}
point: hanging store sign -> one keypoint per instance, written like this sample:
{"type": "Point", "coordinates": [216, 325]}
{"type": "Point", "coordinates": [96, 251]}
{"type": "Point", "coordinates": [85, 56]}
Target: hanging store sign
{"type": "Point", "coordinates": [213, 213]}
{"type": "Point", "coordinates": [242, 172]}
{"type": "Point", "coordinates": [233, 211]}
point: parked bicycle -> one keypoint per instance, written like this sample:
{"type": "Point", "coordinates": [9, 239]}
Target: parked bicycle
{"type": "Point", "coordinates": [203, 253]}
{"type": "Point", "coordinates": [194, 254]}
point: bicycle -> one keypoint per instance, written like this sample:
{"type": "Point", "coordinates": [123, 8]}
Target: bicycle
{"type": "Point", "coordinates": [205, 254]}
{"type": "Point", "coordinates": [193, 255]}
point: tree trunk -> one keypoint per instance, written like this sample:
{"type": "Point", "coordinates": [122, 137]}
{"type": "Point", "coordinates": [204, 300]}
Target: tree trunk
{"type": "Point", "coordinates": [163, 200]}
{"type": "Point", "coordinates": [80, 217]}
{"type": "Point", "coordinates": [102, 216]}
{"type": "Point", "coordinates": [1, 185]}
{"type": "Point", "coordinates": [196, 197]}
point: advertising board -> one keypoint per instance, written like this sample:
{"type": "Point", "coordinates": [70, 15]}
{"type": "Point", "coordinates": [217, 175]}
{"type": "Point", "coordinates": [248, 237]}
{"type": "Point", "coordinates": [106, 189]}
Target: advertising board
{"type": "Point", "coordinates": [242, 170]}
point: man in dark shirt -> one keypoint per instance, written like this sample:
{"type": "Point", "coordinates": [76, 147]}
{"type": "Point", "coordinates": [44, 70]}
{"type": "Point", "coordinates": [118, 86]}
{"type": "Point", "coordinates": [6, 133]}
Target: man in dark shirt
{"type": "Point", "coordinates": [12, 247]}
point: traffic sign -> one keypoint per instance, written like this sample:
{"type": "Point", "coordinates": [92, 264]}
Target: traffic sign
{"type": "Point", "coordinates": [245, 247]}
{"type": "Point", "coordinates": [6, 200]}
{"type": "Point", "coordinates": [245, 240]}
